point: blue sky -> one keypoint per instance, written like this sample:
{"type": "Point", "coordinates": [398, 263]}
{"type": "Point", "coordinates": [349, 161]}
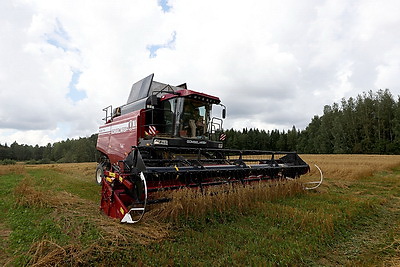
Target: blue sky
{"type": "Point", "coordinates": [59, 37]}
{"type": "Point", "coordinates": [164, 5]}
{"type": "Point", "coordinates": [168, 44]}
{"type": "Point", "coordinates": [74, 94]}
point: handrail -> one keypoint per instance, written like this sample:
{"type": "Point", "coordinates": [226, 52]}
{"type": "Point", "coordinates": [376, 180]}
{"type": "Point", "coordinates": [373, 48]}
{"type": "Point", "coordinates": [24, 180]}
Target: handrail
{"type": "Point", "coordinates": [106, 110]}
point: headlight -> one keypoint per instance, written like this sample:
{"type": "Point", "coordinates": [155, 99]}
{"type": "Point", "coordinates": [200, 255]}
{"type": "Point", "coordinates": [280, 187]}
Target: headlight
{"type": "Point", "coordinates": [160, 142]}
{"type": "Point", "coordinates": [220, 145]}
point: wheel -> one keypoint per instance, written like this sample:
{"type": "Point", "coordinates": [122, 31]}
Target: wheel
{"type": "Point", "coordinates": [99, 174]}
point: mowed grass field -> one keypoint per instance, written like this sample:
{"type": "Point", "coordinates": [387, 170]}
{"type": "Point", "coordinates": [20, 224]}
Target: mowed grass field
{"type": "Point", "coordinates": [49, 215]}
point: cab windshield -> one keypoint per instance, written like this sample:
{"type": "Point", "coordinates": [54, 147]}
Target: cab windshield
{"type": "Point", "coordinates": [186, 117]}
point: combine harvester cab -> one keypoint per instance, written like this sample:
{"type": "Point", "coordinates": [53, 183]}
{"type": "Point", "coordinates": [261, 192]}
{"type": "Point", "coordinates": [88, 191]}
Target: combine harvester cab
{"type": "Point", "coordinates": [166, 137]}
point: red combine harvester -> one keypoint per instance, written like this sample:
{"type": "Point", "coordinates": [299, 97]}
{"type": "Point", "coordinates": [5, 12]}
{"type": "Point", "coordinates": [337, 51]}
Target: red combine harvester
{"type": "Point", "coordinates": [166, 137]}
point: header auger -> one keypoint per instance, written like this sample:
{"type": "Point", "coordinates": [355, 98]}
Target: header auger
{"type": "Point", "coordinates": [165, 138]}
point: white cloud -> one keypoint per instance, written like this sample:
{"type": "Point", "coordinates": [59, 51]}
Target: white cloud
{"type": "Point", "coordinates": [273, 63]}
{"type": "Point", "coordinates": [41, 137]}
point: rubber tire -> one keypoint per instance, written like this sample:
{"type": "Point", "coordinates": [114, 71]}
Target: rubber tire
{"type": "Point", "coordinates": [99, 174]}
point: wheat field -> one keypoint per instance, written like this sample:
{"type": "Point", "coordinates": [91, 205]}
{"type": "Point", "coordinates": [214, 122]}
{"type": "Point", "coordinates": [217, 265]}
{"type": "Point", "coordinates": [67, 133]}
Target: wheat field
{"type": "Point", "coordinates": [342, 169]}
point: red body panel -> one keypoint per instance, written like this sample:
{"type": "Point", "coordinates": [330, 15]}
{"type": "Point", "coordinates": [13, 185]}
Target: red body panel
{"type": "Point", "coordinates": [114, 201]}
{"type": "Point", "coordinates": [118, 136]}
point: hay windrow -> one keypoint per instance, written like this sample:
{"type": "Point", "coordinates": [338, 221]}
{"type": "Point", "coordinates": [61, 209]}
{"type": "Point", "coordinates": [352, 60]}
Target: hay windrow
{"type": "Point", "coordinates": [26, 195]}
{"type": "Point", "coordinates": [16, 169]}
{"type": "Point", "coordinates": [46, 253]}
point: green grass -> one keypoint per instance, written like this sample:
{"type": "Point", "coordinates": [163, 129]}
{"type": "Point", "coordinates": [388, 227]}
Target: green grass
{"type": "Point", "coordinates": [52, 179]}
{"type": "Point", "coordinates": [7, 182]}
{"type": "Point", "coordinates": [356, 225]}
{"type": "Point", "coordinates": [292, 231]}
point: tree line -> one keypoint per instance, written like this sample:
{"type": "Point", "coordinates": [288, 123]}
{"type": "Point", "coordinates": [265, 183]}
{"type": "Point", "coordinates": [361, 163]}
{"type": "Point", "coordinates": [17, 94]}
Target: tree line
{"type": "Point", "coordinates": [71, 150]}
{"type": "Point", "coordinates": [255, 139]}
{"type": "Point", "coordinates": [369, 124]}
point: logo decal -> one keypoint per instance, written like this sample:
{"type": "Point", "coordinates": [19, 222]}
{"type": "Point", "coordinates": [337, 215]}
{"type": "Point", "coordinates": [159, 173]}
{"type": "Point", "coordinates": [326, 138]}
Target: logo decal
{"type": "Point", "coordinates": [118, 128]}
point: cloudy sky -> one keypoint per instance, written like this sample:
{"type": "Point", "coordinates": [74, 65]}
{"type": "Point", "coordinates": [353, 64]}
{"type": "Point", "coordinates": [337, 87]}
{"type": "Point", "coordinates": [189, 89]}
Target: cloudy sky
{"type": "Point", "coordinates": [274, 64]}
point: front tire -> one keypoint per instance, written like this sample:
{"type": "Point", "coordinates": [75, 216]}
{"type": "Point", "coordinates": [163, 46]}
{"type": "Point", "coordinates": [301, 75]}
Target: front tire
{"type": "Point", "coordinates": [99, 174]}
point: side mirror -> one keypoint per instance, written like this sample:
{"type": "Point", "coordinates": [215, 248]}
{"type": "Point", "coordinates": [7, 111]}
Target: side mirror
{"type": "Point", "coordinates": [223, 113]}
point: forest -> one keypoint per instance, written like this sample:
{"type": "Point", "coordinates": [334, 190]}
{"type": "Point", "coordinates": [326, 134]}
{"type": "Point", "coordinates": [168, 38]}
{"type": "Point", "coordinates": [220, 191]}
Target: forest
{"type": "Point", "coordinates": [367, 124]}
{"type": "Point", "coordinates": [71, 150]}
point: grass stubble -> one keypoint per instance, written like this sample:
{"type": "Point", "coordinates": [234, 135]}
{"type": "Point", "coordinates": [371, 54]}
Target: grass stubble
{"type": "Point", "coordinates": [76, 216]}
